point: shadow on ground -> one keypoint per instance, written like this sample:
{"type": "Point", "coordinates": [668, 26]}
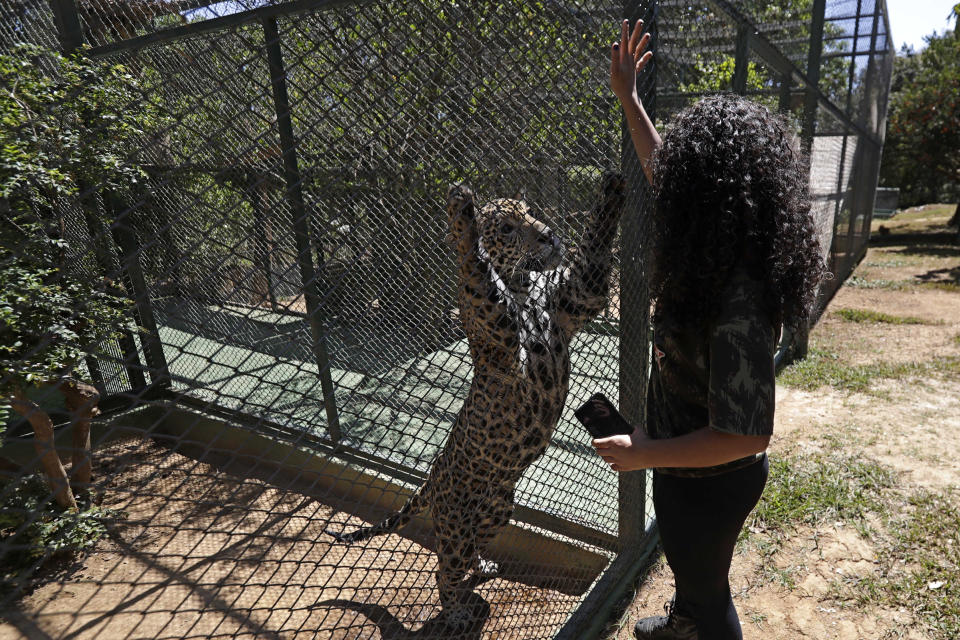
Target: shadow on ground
{"type": "Point", "coordinates": [435, 628]}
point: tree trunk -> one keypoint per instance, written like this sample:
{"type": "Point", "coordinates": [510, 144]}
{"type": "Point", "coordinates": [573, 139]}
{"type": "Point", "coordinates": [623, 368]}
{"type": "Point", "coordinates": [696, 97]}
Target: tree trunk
{"type": "Point", "coordinates": [81, 400]}
{"type": "Point", "coordinates": [955, 220]}
{"type": "Point", "coordinates": [43, 443]}
{"type": "Point", "coordinates": [263, 246]}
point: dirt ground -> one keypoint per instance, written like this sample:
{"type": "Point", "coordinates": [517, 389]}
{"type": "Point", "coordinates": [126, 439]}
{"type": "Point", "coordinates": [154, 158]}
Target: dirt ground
{"type": "Point", "coordinates": [203, 553]}
{"type": "Point", "coordinates": [910, 424]}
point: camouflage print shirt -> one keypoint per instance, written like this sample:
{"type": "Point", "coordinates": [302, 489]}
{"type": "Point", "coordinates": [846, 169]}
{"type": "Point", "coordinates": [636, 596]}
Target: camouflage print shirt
{"type": "Point", "coordinates": [719, 374]}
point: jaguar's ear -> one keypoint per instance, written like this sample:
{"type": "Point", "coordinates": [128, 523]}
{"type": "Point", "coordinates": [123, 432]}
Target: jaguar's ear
{"type": "Point", "coordinates": [520, 194]}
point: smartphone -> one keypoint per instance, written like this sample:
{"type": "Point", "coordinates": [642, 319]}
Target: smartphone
{"type": "Point", "coordinates": [601, 418]}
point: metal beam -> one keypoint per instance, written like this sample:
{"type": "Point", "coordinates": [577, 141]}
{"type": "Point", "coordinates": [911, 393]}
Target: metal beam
{"type": "Point", "coordinates": [662, 95]}
{"type": "Point", "coordinates": [814, 54]}
{"type": "Point", "coordinates": [219, 24]}
{"type": "Point", "coordinates": [801, 338]}
{"type": "Point", "coordinates": [804, 41]}
{"type": "Point", "coordinates": [742, 59]}
{"type": "Point", "coordinates": [783, 106]}
{"type": "Point", "coordinates": [301, 220]}
{"type": "Point", "coordinates": [853, 54]}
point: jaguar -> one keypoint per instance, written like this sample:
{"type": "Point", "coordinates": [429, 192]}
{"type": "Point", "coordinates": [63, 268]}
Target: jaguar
{"type": "Point", "coordinates": [521, 299]}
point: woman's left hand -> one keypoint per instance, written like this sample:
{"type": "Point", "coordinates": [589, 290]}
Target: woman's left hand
{"type": "Point", "coordinates": [625, 453]}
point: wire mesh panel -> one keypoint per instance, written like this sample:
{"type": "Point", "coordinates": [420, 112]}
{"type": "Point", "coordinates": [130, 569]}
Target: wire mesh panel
{"type": "Point", "coordinates": [823, 65]}
{"type": "Point", "coordinates": [266, 216]}
{"type": "Point", "coordinates": [27, 21]}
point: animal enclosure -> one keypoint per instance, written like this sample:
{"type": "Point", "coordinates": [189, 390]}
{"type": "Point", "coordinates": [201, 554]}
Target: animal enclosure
{"type": "Point", "coordinates": [292, 358]}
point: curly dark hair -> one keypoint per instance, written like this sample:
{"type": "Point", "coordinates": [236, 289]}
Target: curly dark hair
{"type": "Point", "coordinates": [731, 191]}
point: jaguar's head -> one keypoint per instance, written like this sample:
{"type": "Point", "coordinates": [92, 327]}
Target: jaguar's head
{"type": "Point", "coordinates": [515, 242]}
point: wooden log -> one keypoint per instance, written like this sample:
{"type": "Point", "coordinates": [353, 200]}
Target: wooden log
{"type": "Point", "coordinates": [43, 443]}
{"type": "Point", "coordinates": [81, 400]}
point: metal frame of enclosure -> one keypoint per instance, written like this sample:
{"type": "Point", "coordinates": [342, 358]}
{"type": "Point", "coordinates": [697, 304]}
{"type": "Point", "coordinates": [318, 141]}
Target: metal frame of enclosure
{"type": "Point", "coordinates": [294, 359]}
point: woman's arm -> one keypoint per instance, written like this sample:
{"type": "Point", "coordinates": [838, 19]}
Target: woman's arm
{"type": "Point", "coordinates": [702, 448]}
{"type": "Point", "coordinates": [627, 58]}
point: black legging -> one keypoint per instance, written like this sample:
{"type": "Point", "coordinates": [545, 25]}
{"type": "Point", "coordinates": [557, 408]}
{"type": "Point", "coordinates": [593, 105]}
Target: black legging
{"type": "Point", "coordinates": [700, 520]}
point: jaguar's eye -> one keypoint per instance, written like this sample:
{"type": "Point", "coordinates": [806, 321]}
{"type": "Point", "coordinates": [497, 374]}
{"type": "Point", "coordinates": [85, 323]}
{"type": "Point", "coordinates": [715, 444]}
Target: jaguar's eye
{"type": "Point", "coordinates": [507, 227]}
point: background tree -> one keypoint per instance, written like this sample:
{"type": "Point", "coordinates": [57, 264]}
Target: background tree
{"type": "Point", "coordinates": [922, 151]}
{"type": "Point", "coordinates": [65, 139]}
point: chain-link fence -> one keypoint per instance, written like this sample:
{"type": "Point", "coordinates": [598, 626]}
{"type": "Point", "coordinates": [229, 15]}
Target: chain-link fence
{"type": "Point", "coordinates": [292, 358]}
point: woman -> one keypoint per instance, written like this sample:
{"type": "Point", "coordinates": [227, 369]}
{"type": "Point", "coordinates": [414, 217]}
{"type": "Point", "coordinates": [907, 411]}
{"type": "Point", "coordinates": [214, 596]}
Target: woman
{"type": "Point", "coordinates": [734, 257]}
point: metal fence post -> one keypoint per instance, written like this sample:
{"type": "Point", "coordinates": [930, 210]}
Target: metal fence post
{"type": "Point", "coordinates": [68, 25]}
{"type": "Point", "coordinates": [93, 216]}
{"type": "Point", "coordinates": [783, 105]}
{"type": "Point", "coordinates": [125, 238]}
{"type": "Point", "coordinates": [634, 542]}
{"type": "Point", "coordinates": [301, 224]}
{"type": "Point", "coordinates": [841, 170]}
{"type": "Point", "coordinates": [855, 170]}
{"type": "Point", "coordinates": [868, 151]}
{"type": "Point", "coordinates": [634, 300]}
{"type": "Point", "coordinates": [814, 53]}
{"type": "Point", "coordinates": [801, 338]}
{"type": "Point", "coordinates": [742, 62]}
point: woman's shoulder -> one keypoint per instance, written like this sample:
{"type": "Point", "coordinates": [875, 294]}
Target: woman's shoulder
{"type": "Point", "coordinates": [742, 297]}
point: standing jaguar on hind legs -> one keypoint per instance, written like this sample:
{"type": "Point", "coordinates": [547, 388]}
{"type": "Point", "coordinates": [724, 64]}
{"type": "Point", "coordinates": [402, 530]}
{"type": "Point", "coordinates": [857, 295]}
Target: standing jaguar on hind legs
{"type": "Point", "coordinates": [521, 301]}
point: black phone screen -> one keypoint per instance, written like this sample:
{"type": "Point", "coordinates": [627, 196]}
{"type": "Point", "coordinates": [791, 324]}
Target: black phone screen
{"type": "Point", "coordinates": [601, 418]}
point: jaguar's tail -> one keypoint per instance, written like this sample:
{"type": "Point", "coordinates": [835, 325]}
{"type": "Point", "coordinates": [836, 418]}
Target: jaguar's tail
{"type": "Point", "coordinates": [388, 525]}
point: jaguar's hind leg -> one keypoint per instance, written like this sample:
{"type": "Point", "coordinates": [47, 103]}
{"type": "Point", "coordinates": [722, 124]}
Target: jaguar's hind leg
{"type": "Point", "coordinates": [483, 568]}
{"type": "Point", "coordinates": [497, 519]}
{"type": "Point", "coordinates": [455, 560]}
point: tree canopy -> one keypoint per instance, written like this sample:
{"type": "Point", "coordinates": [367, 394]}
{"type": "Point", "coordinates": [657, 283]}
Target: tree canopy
{"type": "Point", "coordinates": [922, 151]}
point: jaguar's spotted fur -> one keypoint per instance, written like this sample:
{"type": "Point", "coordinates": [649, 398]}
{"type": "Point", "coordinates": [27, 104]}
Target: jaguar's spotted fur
{"type": "Point", "coordinates": [521, 301]}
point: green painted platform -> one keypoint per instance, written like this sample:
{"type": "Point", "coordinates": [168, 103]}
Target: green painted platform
{"type": "Point", "coordinates": [401, 412]}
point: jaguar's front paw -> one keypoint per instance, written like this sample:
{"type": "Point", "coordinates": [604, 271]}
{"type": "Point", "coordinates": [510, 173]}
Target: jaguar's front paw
{"type": "Point", "coordinates": [459, 199]}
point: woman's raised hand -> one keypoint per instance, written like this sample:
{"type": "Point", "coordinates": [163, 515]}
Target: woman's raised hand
{"type": "Point", "coordinates": [627, 58]}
